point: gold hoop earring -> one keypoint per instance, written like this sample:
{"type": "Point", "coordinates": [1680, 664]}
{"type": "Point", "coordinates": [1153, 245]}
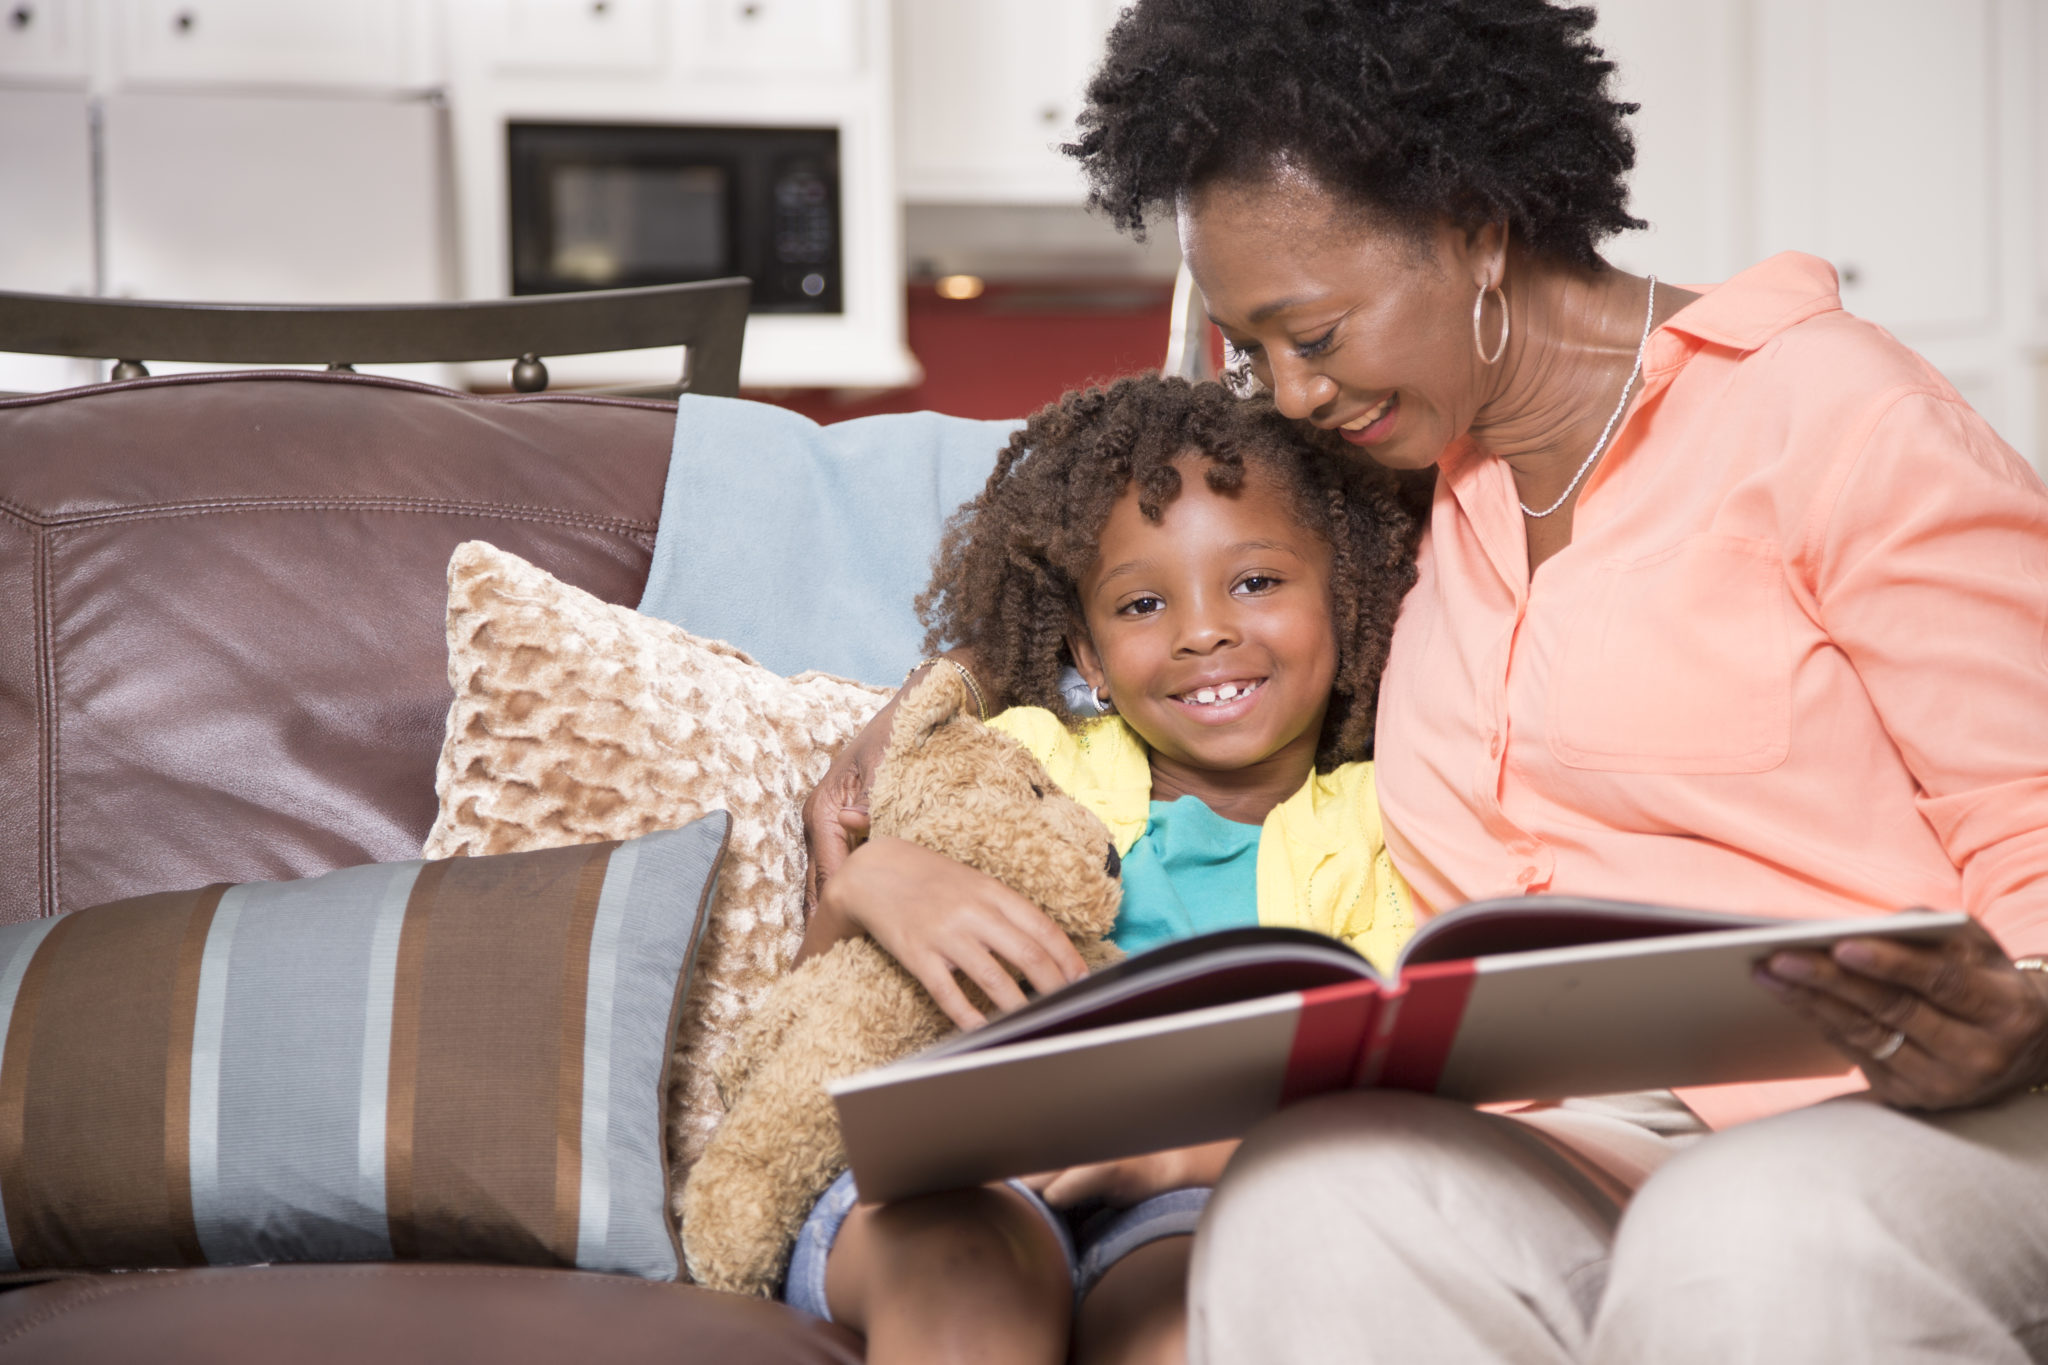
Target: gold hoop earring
{"type": "Point", "coordinates": [1478, 311]}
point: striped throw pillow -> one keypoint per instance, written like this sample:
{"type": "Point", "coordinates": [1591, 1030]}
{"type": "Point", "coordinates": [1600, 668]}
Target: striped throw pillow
{"type": "Point", "coordinates": [449, 1061]}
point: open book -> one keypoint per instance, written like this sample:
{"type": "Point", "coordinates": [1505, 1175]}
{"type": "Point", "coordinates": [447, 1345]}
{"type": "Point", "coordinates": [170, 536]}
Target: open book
{"type": "Point", "coordinates": [1531, 997]}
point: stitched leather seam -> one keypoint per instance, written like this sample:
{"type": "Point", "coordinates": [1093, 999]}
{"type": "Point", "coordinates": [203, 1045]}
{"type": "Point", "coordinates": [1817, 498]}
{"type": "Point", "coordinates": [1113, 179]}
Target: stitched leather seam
{"type": "Point", "coordinates": [452, 1270]}
{"type": "Point", "coordinates": [46, 727]}
{"type": "Point", "coordinates": [436, 506]}
{"type": "Point", "coordinates": [55, 1311]}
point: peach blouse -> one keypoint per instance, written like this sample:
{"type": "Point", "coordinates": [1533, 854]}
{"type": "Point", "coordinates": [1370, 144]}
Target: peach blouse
{"type": "Point", "coordinates": [1794, 661]}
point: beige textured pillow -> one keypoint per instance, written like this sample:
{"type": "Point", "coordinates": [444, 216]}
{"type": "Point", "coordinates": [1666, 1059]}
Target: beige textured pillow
{"type": "Point", "coordinates": [575, 721]}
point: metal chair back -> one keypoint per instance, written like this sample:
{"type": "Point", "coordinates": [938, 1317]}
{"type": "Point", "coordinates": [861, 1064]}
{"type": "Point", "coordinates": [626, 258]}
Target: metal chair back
{"type": "Point", "coordinates": [708, 319]}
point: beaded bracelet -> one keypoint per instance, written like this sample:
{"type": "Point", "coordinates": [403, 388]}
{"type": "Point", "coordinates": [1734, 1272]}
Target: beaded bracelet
{"type": "Point", "coordinates": [973, 687]}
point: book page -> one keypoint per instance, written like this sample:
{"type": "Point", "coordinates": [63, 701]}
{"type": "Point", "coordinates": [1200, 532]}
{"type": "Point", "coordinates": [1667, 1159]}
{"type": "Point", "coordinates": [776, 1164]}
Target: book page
{"type": "Point", "coordinates": [1645, 1015]}
{"type": "Point", "coordinates": [1521, 924]}
{"type": "Point", "coordinates": [1210, 969]}
{"type": "Point", "coordinates": [934, 1123]}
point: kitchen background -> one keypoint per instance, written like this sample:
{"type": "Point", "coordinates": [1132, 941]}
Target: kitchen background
{"type": "Point", "coordinates": [884, 168]}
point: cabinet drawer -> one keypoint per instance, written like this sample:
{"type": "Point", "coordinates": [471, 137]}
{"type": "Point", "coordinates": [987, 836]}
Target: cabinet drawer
{"type": "Point", "coordinates": [43, 40]}
{"type": "Point", "coordinates": [370, 43]}
{"type": "Point", "coordinates": [776, 36]}
{"type": "Point", "coordinates": [577, 35]}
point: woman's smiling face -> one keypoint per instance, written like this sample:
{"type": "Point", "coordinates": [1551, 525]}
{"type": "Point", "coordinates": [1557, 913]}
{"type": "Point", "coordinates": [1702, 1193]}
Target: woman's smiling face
{"type": "Point", "coordinates": [1211, 630]}
{"type": "Point", "coordinates": [1353, 324]}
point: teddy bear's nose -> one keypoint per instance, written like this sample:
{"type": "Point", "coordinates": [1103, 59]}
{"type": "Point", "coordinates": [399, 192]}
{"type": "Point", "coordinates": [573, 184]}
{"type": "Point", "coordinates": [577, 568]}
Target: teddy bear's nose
{"type": "Point", "coordinates": [1113, 862]}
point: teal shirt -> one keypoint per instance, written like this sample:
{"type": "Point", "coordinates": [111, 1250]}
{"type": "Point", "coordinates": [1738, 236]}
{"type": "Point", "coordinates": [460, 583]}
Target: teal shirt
{"type": "Point", "coordinates": [1190, 872]}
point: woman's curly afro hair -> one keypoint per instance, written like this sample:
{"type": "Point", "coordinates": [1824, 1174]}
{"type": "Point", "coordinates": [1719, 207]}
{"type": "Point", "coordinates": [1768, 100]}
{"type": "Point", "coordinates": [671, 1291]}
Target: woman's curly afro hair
{"type": "Point", "coordinates": [1008, 574]}
{"type": "Point", "coordinates": [1470, 111]}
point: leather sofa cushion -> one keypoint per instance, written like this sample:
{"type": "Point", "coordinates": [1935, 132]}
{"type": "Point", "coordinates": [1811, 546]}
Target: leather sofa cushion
{"type": "Point", "coordinates": [403, 1315]}
{"type": "Point", "coordinates": [223, 594]}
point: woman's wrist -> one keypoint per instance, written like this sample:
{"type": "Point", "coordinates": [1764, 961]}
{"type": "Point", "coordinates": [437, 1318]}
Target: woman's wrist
{"type": "Point", "coordinates": [2034, 970]}
{"type": "Point", "coordinates": [989, 697]}
{"type": "Point", "coordinates": [924, 666]}
{"type": "Point", "coordinates": [830, 923]}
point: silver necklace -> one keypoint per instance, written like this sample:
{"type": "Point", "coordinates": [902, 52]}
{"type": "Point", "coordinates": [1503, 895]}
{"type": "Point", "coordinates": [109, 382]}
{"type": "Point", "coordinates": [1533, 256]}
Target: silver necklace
{"type": "Point", "coordinates": [1649, 312]}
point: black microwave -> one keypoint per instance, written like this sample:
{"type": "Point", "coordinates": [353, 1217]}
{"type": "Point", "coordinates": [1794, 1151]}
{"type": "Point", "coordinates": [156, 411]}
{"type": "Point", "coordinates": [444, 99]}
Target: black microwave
{"type": "Point", "coordinates": [611, 206]}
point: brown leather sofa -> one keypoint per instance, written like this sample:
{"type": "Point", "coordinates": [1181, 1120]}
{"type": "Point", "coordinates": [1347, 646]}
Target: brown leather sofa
{"type": "Point", "coordinates": [222, 659]}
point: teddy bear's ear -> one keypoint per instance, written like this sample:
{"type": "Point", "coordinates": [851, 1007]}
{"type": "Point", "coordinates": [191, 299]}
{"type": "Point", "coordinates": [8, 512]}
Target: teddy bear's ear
{"type": "Point", "coordinates": [940, 698]}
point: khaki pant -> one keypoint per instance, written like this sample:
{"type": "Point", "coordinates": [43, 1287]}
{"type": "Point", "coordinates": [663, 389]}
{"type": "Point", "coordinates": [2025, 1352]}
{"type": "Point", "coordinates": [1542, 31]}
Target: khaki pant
{"type": "Point", "coordinates": [1381, 1226]}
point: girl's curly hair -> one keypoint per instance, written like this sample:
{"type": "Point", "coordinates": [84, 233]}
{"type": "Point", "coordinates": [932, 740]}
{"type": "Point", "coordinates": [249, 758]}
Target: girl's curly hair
{"type": "Point", "coordinates": [1007, 579]}
{"type": "Point", "coordinates": [1470, 111]}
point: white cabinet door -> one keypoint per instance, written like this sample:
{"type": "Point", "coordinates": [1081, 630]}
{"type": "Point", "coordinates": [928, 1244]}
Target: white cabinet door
{"type": "Point", "coordinates": [43, 40]}
{"type": "Point", "coordinates": [1877, 142]}
{"type": "Point", "coordinates": [986, 93]}
{"type": "Point", "coordinates": [363, 43]}
{"type": "Point", "coordinates": [1912, 132]}
{"type": "Point", "coordinates": [1686, 66]}
{"type": "Point", "coordinates": [289, 199]}
{"type": "Point", "coordinates": [46, 242]}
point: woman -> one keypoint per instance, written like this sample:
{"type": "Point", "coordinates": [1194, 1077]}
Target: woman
{"type": "Point", "coordinates": [1726, 599]}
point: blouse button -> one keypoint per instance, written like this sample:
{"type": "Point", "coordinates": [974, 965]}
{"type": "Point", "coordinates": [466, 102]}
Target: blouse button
{"type": "Point", "coordinates": [1493, 745]}
{"type": "Point", "coordinates": [1526, 877]}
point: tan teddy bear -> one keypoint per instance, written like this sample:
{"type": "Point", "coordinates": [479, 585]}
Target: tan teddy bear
{"type": "Point", "coordinates": [956, 786]}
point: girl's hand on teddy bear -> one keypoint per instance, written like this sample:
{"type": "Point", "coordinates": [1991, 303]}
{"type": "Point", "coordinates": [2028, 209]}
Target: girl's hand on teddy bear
{"type": "Point", "coordinates": [936, 917]}
{"type": "Point", "coordinates": [1121, 1184]}
{"type": "Point", "coordinates": [836, 811]}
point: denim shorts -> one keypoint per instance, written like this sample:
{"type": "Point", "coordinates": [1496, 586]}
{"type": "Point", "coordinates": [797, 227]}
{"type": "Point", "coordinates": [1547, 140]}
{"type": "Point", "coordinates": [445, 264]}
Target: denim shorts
{"type": "Point", "coordinates": [1094, 1239]}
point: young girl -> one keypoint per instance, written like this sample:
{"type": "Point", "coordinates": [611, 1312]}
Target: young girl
{"type": "Point", "coordinates": [1227, 587]}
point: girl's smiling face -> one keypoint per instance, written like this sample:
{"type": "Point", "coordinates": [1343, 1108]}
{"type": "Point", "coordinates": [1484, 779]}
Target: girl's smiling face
{"type": "Point", "coordinates": [1211, 630]}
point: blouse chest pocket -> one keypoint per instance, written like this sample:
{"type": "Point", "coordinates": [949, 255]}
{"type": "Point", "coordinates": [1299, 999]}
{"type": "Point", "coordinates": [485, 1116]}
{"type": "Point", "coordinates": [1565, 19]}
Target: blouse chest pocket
{"type": "Point", "coordinates": [1678, 663]}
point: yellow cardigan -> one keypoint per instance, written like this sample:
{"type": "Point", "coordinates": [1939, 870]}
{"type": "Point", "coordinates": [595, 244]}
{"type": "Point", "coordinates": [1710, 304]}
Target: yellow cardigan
{"type": "Point", "coordinates": [1323, 861]}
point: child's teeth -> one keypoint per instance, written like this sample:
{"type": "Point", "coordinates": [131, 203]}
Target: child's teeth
{"type": "Point", "coordinates": [1210, 696]}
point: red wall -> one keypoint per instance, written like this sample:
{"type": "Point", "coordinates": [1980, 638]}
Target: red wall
{"type": "Point", "coordinates": [1012, 350]}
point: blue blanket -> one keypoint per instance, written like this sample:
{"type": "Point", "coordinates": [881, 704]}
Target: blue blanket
{"type": "Point", "coordinates": [806, 545]}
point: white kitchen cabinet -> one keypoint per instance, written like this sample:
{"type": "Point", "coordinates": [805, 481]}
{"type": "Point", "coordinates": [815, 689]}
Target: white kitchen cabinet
{"type": "Point", "coordinates": [1685, 65]}
{"type": "Point", "coordinates": [376, 44]}
{"type": "Point", "coordinates": [44, 41]}
{"type": "Point", "coordinates": [2032, 169]}
{"type": "Point", "coordinates": [782, 36]}
{"type": "Point", "coordinates": [718, 64]}
{"type": "Point", "coordinates": [46, 240]}
{"type": "Point", "coordinates": [46, 237]}
{"type": "Point", "coordinates": [288, 199]}
{"type": "Point", "coordinates": [572, 36]}
{"type": "Point", "coordinates": [1877, 136]}
{"type": "Point", "coordinates": [1894, 137]}
{"type": "Point", "coordinates": [986, 92]}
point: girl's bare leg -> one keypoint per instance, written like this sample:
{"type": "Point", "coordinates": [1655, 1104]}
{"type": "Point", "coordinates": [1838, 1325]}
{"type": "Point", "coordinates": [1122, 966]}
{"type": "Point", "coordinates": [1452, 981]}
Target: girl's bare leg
{"type": "Point", "coordinates": [975, 1275]}
{"type": "Point", "coordinates": [1137, 1314]}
